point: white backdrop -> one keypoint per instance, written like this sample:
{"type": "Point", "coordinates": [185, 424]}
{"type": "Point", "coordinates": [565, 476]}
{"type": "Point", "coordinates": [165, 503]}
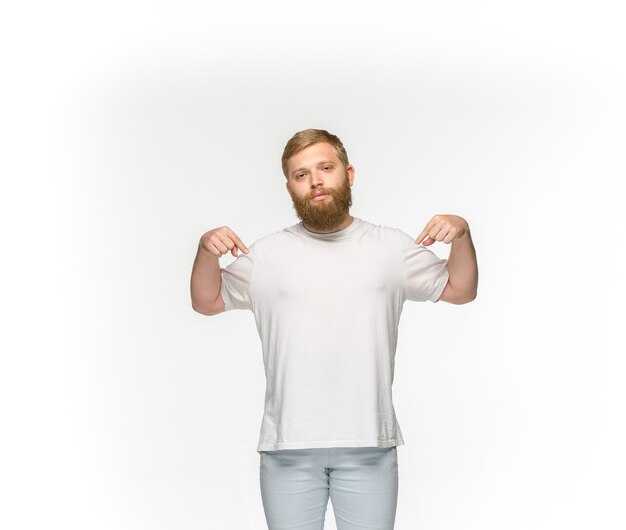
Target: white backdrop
{"type": "Point", "coordinates": [131, 128]}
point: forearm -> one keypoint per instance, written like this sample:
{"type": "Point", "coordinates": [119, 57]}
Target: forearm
{"type": "Point", "coordinates": [206, 280]}
{"type": "Point", "coordinates": [463, 267]}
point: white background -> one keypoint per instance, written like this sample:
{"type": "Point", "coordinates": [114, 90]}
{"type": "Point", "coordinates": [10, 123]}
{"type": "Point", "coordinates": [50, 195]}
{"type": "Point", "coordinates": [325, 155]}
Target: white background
{"type": "Point", "coordinates": [131, 128]}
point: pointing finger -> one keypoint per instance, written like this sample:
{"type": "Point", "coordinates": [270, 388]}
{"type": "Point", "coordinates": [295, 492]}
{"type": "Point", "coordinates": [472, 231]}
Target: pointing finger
{"type": "Point", "coordinates": [424, 233]}
{"type": "Point", "coordinates": [237, 241]}
{"type": "Point", "coordinates": [240, 244]}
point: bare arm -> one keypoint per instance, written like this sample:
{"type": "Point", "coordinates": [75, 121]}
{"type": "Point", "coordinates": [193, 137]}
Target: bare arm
{"type": "Point", "coordinates": [463, 272]}
{"type": "Point", "coordinates": [206, 281]}
{"type": "Point", "coordinates": [462, 266]}
{"type": "Point", "coordinates": [206, 275]}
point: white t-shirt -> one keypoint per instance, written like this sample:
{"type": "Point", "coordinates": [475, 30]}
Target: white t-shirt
{"type": "Point", "coordinates": [327, 308]}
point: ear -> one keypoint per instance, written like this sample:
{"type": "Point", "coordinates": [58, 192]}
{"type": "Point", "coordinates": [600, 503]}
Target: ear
{"type": "Point", "coordinates": [288, 188]}
{"type": "Point", "coordinates": [350, 171]}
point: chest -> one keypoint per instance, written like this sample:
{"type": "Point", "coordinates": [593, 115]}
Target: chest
{"type": "Point", "coordinates": [328, 275]}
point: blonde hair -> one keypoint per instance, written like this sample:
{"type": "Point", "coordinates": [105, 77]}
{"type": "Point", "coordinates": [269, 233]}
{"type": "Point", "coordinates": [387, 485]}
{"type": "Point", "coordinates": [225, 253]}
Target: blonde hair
{"type": "Point", "coordinates": [303, 139]}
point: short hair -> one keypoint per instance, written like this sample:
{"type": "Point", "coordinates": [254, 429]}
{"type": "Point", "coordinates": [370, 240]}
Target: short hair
{"type": "Point", "coordinates": [303, 139]}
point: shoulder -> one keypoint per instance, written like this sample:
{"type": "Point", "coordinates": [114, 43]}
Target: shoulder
{"type": "Point", "coordinates": [275, 241]}
{"type": "Point", "coordinates": [397, 239]}
{"type": "Point", "coordinates": [385, 233]}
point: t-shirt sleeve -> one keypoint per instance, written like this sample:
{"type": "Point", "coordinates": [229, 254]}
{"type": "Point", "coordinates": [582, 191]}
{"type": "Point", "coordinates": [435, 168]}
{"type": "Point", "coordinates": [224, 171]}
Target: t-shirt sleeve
{"type": "Point", "coordinates": [236, 277]}
{"type": "Point", "coordinates": [425, 274]}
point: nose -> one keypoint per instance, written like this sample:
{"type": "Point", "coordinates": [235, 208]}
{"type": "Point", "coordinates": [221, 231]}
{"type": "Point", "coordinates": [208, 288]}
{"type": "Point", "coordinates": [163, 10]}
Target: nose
{"type": "Point", "coordinates": [316, 179]}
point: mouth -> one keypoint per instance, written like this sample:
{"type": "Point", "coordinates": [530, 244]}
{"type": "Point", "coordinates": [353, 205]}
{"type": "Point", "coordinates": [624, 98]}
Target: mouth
{"type": "Point", "coordinates": [320, 197]}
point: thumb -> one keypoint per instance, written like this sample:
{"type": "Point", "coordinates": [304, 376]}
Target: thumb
{"type": "Point", "coordinates": [233, 251]}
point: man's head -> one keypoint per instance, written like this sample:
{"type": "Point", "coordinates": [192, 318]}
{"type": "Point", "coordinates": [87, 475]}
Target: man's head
{"type": "Point", "coordinates": [314, 162]}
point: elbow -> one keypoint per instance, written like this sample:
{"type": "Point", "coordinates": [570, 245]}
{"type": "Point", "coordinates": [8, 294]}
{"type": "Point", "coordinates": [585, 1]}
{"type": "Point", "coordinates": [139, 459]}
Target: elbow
{"type": "Point", "coordinates": [205, 310]}
{"type": "Point", "coordinates": [452, 296]}
{"type": "Point", "coordinates": [461, 298]}
{"type": "Point", "coordinates": [199, 309]}
{"type": "Point", "coordinates": [470, 298]}
{"type": "Point", "coordinates": [205, 305]}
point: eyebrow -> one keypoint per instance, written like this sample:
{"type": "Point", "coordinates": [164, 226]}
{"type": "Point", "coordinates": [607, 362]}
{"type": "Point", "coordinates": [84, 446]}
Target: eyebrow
{"type": "Point", "coordinates": [323, 162]}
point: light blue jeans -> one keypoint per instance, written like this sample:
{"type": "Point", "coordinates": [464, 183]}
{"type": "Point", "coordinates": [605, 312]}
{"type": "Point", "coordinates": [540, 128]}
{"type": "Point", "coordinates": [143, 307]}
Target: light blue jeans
{"type": "Point", "coordinates": [362, 483]}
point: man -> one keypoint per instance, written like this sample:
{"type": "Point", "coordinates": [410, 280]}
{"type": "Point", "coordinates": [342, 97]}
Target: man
{"type": "Point", "coordinates": [327, 294]}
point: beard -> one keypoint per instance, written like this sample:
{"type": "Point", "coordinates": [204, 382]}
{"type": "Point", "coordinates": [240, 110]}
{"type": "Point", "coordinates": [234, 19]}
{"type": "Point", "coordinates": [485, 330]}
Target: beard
{"type": "Point", "coordinates": [328, 213]}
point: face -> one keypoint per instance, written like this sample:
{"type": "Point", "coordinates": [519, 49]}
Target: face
{"type": "Point", "coordinates": [317, 170]}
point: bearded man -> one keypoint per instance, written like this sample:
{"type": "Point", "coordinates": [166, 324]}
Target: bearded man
{"type": "Point", "coordinates": [327, 294]}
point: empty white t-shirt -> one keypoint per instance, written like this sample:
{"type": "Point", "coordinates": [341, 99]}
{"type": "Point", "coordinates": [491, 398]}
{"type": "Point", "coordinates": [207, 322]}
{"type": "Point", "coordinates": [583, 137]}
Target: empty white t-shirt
{"type": "Point", "coordinates": [327, 308]}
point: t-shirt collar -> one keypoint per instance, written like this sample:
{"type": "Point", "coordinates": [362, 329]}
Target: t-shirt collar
{"type": "Point", "coordinates": [339, 234]}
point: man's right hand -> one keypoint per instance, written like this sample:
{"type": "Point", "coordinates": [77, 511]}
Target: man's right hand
{"type": "Point", "coordinates": [220, 240]}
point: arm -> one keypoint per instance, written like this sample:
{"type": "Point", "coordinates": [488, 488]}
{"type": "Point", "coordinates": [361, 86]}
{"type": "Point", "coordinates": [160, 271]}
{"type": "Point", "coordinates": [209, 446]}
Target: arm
{"type": "Point", "coordinates": [462, 285]}
{"type": "Point", "coordinates": [206, 275]}
{"type": "Point", "coordinates": [206, 282]}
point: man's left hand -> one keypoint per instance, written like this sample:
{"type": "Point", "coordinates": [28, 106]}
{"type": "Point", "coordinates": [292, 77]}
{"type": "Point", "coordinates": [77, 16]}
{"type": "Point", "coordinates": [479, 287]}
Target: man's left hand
{"type": "Point", "coordinates": [444, 228]}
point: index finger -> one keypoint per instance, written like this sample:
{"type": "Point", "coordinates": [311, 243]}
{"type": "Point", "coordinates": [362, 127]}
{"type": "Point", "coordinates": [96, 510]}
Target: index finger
{"type": "Point", "coordinates": [238, 241]}
{"type": "Point", "coordinates": [424, 233]}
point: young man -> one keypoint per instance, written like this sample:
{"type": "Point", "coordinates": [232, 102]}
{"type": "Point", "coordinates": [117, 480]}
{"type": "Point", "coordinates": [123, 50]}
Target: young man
{"type": "Point", "coordinates": [327, 294]}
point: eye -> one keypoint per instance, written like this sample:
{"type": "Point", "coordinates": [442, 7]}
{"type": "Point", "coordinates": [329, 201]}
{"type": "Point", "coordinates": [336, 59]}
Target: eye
{"type": "Point", "coordinates": [327, 167]}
